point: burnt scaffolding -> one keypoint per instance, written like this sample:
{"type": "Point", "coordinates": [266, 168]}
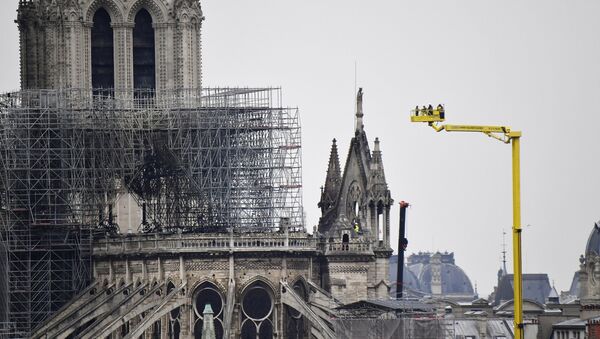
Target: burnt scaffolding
{"type": "Point", "coordinates": [211, 160]}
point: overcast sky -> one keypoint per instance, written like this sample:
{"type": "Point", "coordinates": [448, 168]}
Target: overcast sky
{"type": "Point", "coordinates": [531, 65]}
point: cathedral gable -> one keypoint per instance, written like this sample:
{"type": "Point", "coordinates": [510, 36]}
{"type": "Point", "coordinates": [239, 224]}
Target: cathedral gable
{"type": "Point", "coordinates": [361, 200]}
{"type": "Point", "coordinates": [354, 181]}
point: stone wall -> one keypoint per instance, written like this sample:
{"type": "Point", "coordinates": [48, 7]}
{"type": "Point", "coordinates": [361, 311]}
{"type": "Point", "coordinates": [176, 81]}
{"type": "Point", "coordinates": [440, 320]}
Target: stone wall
{"type": "Point", "coordinates": [247, 266]}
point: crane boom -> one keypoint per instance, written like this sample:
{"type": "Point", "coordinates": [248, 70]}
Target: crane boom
{"type": "Point", "coordinates": [474, 128]}
{"type": "Point", "coordinates": [504, 134]}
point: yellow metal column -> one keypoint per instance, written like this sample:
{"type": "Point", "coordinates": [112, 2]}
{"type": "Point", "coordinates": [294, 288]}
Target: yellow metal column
{"type": "Point", "coordinates": [515, 138]}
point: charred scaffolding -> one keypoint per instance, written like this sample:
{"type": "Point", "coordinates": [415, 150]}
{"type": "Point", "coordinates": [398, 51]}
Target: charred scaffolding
{"type": "Point", "coordinates": [210, 160]}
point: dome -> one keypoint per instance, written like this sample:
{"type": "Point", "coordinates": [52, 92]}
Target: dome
{"type": "Point", "coordinates": [410, 279]}
{"type": "Point", "coordinates": [454, 280]}
{"type": "Point", "coordinates": [593, 243]}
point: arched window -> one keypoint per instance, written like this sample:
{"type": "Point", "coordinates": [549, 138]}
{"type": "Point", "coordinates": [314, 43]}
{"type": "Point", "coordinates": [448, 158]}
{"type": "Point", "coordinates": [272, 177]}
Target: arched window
{"type": "Point", "coordinates": [345, 241]}
{"type": "Point", "coordinates": [103, 65]}
{"type": "Point", "coordinates": [143, 52]}
{"type": "Point", "coordinates": [208, 294]}
{"type": "Point", "coordinates": [296, 326]}
{"type": "Point", "coordinates": [257, 312]}
{"type": "Point", "coordinates": [380, 221]}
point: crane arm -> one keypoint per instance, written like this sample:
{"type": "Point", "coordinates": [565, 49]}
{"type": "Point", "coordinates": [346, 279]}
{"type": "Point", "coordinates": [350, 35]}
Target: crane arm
{"type": "Point", "coordinates": [501, 133]}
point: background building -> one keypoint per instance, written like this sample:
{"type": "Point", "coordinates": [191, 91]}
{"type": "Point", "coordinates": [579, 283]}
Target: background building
{"type": "Point", "coordinates": [434, 275]}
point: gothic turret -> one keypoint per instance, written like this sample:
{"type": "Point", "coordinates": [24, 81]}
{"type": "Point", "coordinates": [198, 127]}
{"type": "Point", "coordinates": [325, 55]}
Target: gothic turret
{"type": "Point", "coordinates": [331, 189]}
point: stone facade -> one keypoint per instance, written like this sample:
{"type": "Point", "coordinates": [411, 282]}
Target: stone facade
{"type": "Point", "coordinates": [56, 52]}
{"type": "Point", "coordinates": [159, 285]}
{"type": "Point", "coordinates": [205, 261]}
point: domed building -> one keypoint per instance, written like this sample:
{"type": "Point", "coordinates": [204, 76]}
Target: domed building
{"type": "Point", "coordinates": [436, 275]}
{"type": "Point", "coordinates": [412, 286]}
{"type": "Point", "coordinates": [589, 274]}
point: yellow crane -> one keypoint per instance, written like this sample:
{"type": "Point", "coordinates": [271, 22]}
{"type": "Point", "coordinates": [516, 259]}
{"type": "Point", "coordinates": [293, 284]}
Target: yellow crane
{"type": "Point", "coordinates": [433, 117]}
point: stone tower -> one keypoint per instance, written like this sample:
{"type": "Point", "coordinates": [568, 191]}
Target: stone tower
{"type": "Point", "coordinates": [117, 44]}
{"type": "Point", "coordinates": [355, 220]}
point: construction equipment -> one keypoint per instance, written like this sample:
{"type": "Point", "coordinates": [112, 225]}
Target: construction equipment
{"type": "Point", "coordinates": [402, 243]}
{"type": "Point", "coordinates": [428, 114]}
{"type": "Point", "coordinates": [507, 136]}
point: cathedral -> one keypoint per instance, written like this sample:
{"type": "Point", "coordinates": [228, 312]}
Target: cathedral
{"type": "Point", "coordinates": [112, 108]}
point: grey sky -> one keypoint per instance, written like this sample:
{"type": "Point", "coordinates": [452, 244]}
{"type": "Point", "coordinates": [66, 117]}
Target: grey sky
{"type": "Point", "coordinates": [530, 65]}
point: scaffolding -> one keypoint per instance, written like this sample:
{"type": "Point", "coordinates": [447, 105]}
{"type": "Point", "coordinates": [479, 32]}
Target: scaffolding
{"type": "Point", "coordinates": [211, 160]}
{"type": "Point", "coordinates": [405, 327]}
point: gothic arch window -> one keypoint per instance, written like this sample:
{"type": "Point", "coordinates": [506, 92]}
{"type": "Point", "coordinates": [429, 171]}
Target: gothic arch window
{"type": "Point", "coordinates": [257, 312]}
{"type": "Point", "coordinates": [207, 293]}
{"type": "Point", "coordinates": [102, 43]}
{"type": "Point", "coordinates": [380, 221]}
{"type": "Point", "coordinates": [174, 326]}
{"type": "Point", "coordinates": [296, 326]}
{"type": "Point", "coordinates": [144, 77]}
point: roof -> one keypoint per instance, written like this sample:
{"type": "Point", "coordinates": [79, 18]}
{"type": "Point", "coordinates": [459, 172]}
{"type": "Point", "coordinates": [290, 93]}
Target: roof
{"type": "Point", "coordinates": [418, 276]}
{"type": "Point", "coordinates": [535, 287]}
{"type": "Point", "coordinates": [529, 306]}
{"type": "Point", "coordinates": [553, 294]}
{"type": "Point", "coordinates": [574, 289]}
{"type": "Point", "coordinates": [593, 244]}
{"type": "Point", "coordinates": [454, 280]}
{"type": "Point", "coordinates": [389, 305]}
{"type": "Point", "coordinates": [571, 323]}
{"type": "Point", "coordinates": [494, 328]}
{"type": "Point", "coordinates": [411, 283]}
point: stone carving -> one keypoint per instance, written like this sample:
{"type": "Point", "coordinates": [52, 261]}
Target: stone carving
{"type": "Point", "coordinates": [348, 269]}
{"type": "Point", "coordinates": [208, 265]}
{"type": "Point", "coordinates": [259, 265]}
{"type": "Point", "coordinates": [155, 8]}
{"type": "Point", "coordinates": [297, 265]}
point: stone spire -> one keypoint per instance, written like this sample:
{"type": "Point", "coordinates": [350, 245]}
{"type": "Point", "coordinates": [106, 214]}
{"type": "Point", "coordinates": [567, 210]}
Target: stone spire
{"type": "Point", "coordinates": [208, 323]}
{"type": "Point", "coordinates": [332, 181]}
{"type": "Point", "coordinates": [377, 173]}
{"type": "Point", "coordinates": [359, 111]}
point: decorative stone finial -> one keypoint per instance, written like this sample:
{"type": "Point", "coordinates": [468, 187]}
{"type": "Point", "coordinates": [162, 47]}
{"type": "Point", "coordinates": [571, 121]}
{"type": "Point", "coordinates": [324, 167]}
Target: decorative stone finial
{"type": "Point", "coordinates": [359, 110]}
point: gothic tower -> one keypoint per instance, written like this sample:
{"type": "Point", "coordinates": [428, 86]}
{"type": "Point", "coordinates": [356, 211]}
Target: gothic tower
{"type": "Point", "coordinates": [110, 44]}
{"type": "Point", "coordinates": [355, 223]}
